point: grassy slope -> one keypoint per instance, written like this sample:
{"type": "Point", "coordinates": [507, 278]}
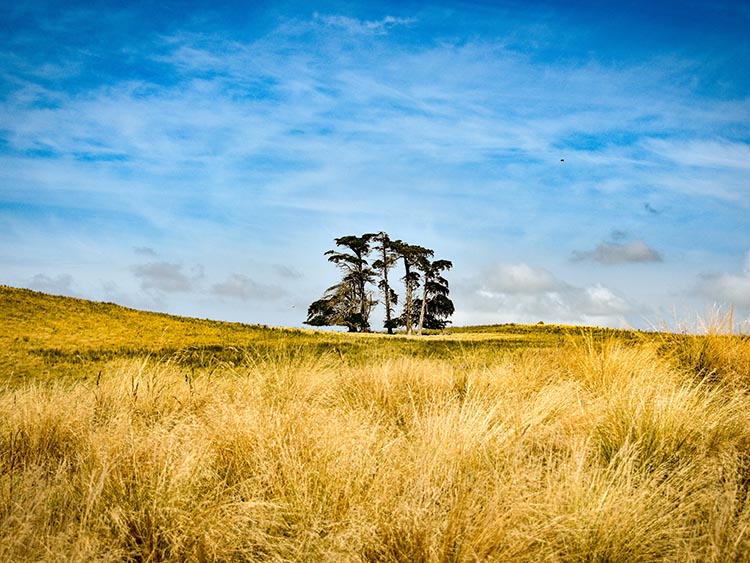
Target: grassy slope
{"type": "Point", "coordinates": [46, 335]}
{"type": "Point", "coordinates": [53, 335]}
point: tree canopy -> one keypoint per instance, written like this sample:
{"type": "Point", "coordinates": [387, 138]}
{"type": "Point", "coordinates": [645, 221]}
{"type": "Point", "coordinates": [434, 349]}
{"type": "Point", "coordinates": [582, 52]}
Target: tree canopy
{"type": "Point", "coordinates": [350, 302]}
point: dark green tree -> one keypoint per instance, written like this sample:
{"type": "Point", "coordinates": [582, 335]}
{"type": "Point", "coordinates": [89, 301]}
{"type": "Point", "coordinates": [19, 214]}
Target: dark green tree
{"type": "Point", "coordinates": [339, 306]}
{"type": "Point", "coordinates": [435, 306]}
{"type": "Point", "coordinates": [386, 259]}
{"type": "Point", "coordinates": [347, 303]}
{"type": "Point", "coordinates": [411, 256]}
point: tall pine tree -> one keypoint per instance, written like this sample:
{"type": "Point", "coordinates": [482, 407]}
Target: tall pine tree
{"type": "Point", "coordinates": [411, 256]}
{"type": "Point", "coordinates": [435, 306]}
{"type": "Point", "coordinates": [386, 259]}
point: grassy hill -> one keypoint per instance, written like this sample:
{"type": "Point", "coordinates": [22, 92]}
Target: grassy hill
{"type": "Point", "coordinates": [45, 335]}
{"type": "Point", "coordinates": [131, 436]}
{"type": "Point", "coordinates": [52, 335]}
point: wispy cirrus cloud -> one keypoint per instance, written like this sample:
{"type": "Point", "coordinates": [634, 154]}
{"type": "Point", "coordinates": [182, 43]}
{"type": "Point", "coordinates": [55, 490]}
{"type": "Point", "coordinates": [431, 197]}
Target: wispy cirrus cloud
{"type": "Point", "coordinates": [720, 154]}
{"type": "Point", "coordinates": [403, 111]}
{"type": "Point", "coordinates": [363, 27]}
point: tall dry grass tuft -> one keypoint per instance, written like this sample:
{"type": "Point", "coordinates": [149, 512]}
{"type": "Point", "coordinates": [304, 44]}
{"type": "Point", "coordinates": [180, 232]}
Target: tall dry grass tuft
{"type": "Point", "coordinates": [716, 348]}
{"type": "Point", "coordinates": [596, 451]}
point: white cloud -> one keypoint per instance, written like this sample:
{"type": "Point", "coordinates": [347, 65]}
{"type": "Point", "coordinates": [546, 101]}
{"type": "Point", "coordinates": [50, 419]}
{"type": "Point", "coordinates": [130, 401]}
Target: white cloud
{"type": "Point", "coordinates": [364, 27]}
{"type": "Point", "coordinates": [597, 300]}
{"type": "Point", "coordinates": [728, 289]}
{"type": "Point", "coordinates": [517, 279]}
{"type": "Point", "coordinates": [703, 153]}
{"type": "Point", "coordinates": [518, 292]}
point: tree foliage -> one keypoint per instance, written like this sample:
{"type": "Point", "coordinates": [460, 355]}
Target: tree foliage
{"type": "Point", "coordinates": [435, 307]}
{"type": "Point", "coordinates": [340, 306]}
{"type": "Point", "coordinates": [412, 256]}
{"type": "Point", "coordinates": [387, 256]}
{"type": "Point", "coordinates": [350, 302]}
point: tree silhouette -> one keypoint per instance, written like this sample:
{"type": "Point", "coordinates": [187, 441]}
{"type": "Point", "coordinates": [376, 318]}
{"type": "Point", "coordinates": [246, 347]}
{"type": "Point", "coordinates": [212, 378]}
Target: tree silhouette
{"type": "Point", "coordinates": [386, 259]}
{"type": "Point", "coordinates": [411, 255]}
{"type": "Point", "coordinates": [338, 307]}
{"type": "Point", "coordinates": [347, 303]}
{"type": "Point", "coordinates": [435, 307]}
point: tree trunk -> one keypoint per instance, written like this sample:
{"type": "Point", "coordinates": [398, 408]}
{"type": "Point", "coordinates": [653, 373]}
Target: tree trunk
{"type": "Point", "coordinates": [424, 307]}
{"type": "Point", "coordinates": [387, 291]}
{"type": "Point", "coordinates": [409, 304]}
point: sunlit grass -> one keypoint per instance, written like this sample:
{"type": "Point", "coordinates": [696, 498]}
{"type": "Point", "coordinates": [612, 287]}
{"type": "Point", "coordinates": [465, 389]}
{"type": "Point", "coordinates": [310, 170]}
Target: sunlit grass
{"type": "Point", "coordinates": [594, 447]}
{"type": "Point", "coordinates": [48, 337]}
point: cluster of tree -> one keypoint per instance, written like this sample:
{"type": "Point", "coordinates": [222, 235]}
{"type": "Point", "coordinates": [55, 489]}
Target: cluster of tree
{"type": "Point", "coordinates": [350, 302]}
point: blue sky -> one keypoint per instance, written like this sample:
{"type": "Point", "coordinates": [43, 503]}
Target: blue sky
{"type": "Point", "coordinates": [579, 162]}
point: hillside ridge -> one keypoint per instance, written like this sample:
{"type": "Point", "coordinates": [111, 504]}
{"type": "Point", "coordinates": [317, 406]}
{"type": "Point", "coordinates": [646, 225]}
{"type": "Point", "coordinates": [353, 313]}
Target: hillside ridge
{"type": "Point", "coordinates": [51, 335]}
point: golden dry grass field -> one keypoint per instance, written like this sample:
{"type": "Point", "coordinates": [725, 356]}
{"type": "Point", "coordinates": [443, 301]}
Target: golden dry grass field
{"type": "Point", "coordinates": [131, 436]}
